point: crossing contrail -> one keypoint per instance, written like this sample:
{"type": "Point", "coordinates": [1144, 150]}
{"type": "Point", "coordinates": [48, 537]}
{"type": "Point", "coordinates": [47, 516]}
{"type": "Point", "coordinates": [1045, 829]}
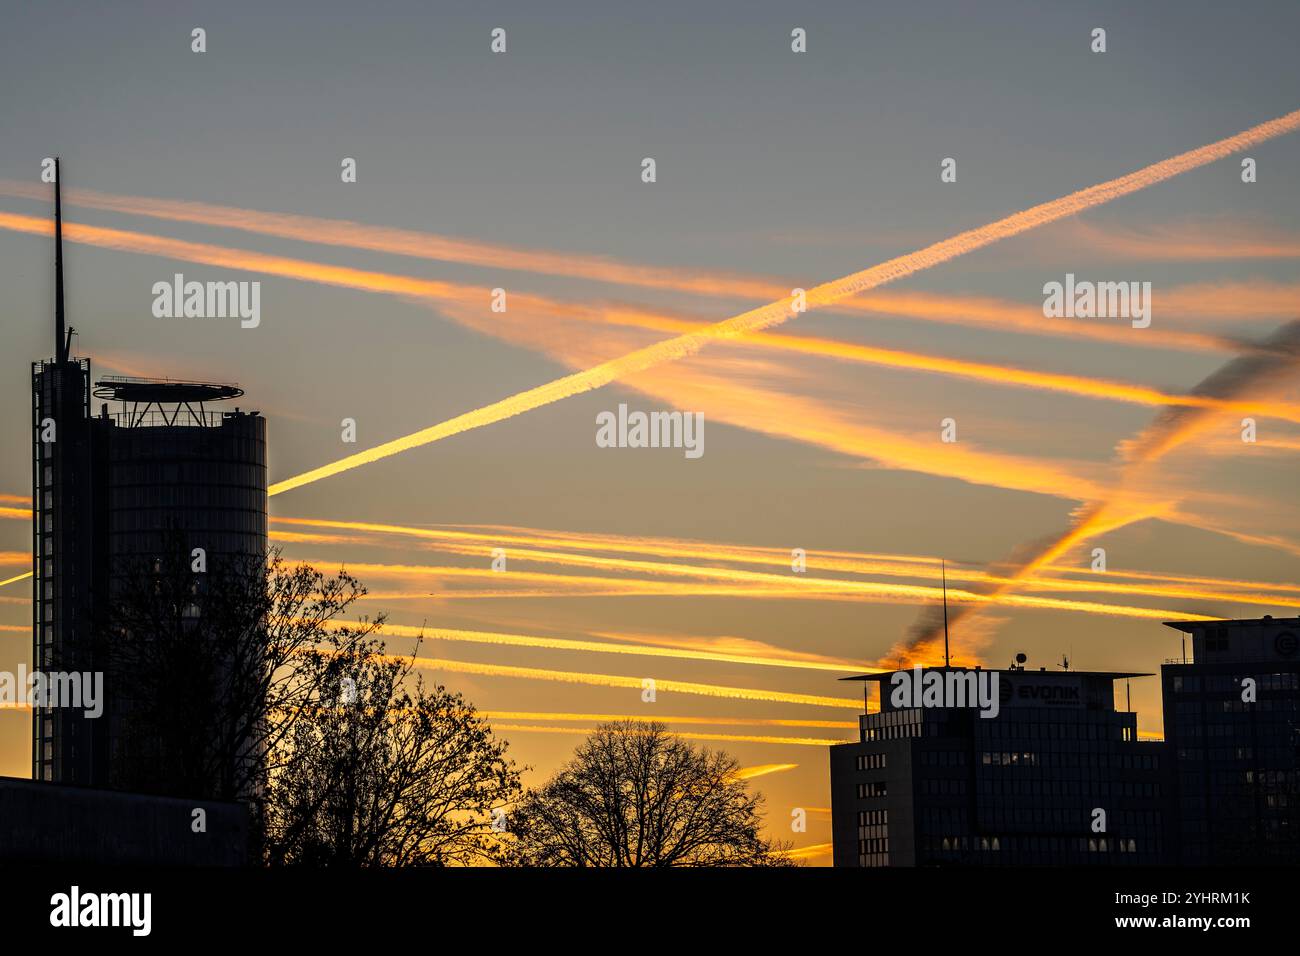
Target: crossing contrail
{"type": "Point", "coordinates": [1004, 375]}
{"type": "Point", "coordinates": [812, 422]}
{"type": "Point", "coordinates": [781, 310]}
{"type": "Point", "coordinates": [961, 309]}
{"type": "Point", "coordinates": [1277, 360]}
{"type": "Point", "coordinates": [461, 301]}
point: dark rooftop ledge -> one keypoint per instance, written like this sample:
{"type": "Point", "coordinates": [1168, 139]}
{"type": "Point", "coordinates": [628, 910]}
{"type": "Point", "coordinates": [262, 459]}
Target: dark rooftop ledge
{"type": "Point", "coordinates": [1112, 675]}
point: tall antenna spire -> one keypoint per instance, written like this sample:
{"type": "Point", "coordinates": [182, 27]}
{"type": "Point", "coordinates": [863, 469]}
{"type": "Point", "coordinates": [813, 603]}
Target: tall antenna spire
{"type": "Point", "coordinates": [60, 347]}
{"type": "Point", "coordinates": [943, 567]}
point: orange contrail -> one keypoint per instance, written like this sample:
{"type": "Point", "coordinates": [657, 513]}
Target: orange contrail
{"type": "Point", "coordinates": [575, 560]}
{"type": "Point", "coordinates": [1279, 542]}
{"type": "Point", "coordinates": [138, 242]}
{"type": "Point", "coordinates": [824, 426]}
{"type": "Point", "coordinates": [969, 310]}
{"type": "Point", "coordinates": [463, 301]}
{"type": "Point", "coordinates": [774, 313]}
{"type": "Point", "coordinates": [897, 451]}
{"type": "Point", "coordinates": [1007, 315]}
{"type": "Point", "coordinates": [1216, 241]}
{"type": "Point", "coordinates": [473, 297]}
{"type": "Point", "coordinates": [1235, 301]}
{"type": "Point", "coordinates": [634, 683]}
{"type": "Point", "coordinates": [1189, 579]}
{"type": "Point", "coordinates": [720, 396]}
{"type": "Point", "coordinates": [825, 588]}
{"type": "Point", "coordinates": [562, 587]}
{"type": "Point", "coordinates": [357, 235]}
{"type": "Point", "coordinates": [787, 587]}
{"type": "Point", "coordinates": [908, 566]}
{"type": "Point", "coordinates": [733, 738]}
{"type": "Point", "coordinates": [723, 398]}
{"type": "Point", "coordinates": [762, 770]}
{"type": "Point", "coordinates": [303, 537]}
{"type": "Point", "coordinates": [839, 428]}
{"type": "Point", "coordinates": [618, 587]}
{"type": "Point", "coordinates": [607, 647]}
{"type": "Point", "coordinates": [1265, 370]}
{"type": "Point", "coordinates": [588, 541]}
{"type": "Point", "coordinates": [712, 721]}
{"type": "Point", "coordinates": [1003, 375]}
{"type": "Point", "coordinates": [1231, 446]}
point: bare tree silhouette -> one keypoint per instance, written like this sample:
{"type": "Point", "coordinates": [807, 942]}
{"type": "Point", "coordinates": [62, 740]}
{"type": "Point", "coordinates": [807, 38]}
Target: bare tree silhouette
{"type": "Point", "coordinates": [379, 773]}
{"type": "Point", "coordinates": [635, 795]}
{"type": "Point", "coordinates": [228, 682]}
{"type": "Point", "coordinates": [204, 666]}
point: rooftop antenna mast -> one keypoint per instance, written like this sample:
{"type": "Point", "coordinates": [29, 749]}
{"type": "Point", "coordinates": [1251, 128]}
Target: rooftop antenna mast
{"type": "Point", "coordinates": [943, 568]}
{"type": "Point", "coordinates": [60, 345]}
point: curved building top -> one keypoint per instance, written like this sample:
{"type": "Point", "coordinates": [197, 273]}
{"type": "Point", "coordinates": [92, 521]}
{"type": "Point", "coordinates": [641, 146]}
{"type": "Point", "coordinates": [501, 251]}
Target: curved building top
{"type": "Point", "coordinates": [163, 391]}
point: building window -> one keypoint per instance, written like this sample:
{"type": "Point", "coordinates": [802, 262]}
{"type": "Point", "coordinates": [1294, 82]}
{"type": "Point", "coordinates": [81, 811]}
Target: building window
{"type": "Point", "coordinates": [871, 762]}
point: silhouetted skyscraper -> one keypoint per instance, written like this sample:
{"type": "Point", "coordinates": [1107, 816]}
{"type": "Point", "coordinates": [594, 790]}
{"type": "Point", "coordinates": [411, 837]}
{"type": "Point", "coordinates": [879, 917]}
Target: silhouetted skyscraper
{"type": "Point", "coordinates": [1232, 723]}
{"type": "Point", "coordinates": [106, 489]}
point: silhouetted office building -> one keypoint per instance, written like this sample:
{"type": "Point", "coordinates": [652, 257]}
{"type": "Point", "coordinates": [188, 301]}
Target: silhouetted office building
{"type": "Point", "coordinates": [107, 488]}
{"type": "Point", "coordinates": [49, 824]}
{"type": "Point", "coordinates": [942, 785]}
{"type": "Point", "coordinates": [1236, 745]}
